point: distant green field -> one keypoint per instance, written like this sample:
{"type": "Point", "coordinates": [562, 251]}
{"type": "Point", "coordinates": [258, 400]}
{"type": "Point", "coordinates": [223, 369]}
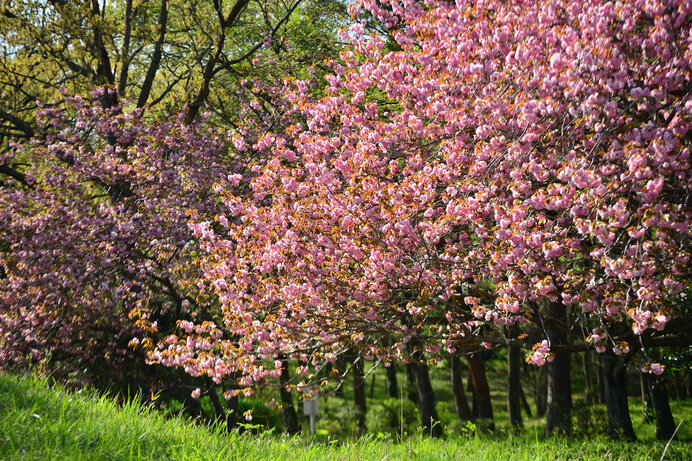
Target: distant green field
{"type": "Point", "coordinates": [42, 422]}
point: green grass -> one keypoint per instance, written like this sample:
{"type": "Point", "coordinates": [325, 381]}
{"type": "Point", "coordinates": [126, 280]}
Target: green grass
{"type": "Point", "coordinates": [43, 422]}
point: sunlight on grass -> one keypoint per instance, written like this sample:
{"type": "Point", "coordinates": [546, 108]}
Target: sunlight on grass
{"type": "Point", "coordinates": [42, 421]}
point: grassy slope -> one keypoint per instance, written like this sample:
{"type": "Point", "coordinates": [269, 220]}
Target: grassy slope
{"type": "Point", "coordinates": [39, 422]}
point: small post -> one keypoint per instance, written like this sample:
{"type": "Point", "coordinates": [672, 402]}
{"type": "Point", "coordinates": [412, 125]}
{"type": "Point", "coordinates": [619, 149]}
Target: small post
{"type": "Point", "coordinates": [311, 406]}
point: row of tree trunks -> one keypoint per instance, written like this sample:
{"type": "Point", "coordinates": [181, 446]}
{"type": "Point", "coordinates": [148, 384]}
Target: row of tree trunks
{"type": "Point", "coordinates": [610, 372]}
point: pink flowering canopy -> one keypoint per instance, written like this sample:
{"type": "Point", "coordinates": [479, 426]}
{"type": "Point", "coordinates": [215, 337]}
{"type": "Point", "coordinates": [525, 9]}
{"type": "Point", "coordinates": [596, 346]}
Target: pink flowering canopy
{"type": "Point", "coordinates": [540, 148]}
{"type": "Point", "coordinates": [96, 246]}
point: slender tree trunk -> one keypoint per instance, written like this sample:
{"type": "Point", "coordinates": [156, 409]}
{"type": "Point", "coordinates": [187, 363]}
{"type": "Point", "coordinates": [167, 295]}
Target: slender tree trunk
{"type": "Point", "coordinates": [588, 378]}
{"type": "Point", "coordinates": [474, 400]}
{"type": "Point", "coordinates": [426, 396]}
{"type": "Point", "coordinates": [233, 415]}
{"type": "Point", "coordinates": [647, 407]}
{"type": "Point", "coordinates": [411, 381]}
{"type": "Point", "coordinates": [601, 382]}
{"type": "Point", "coordinates": [614, 374]}
{"type": "Point", "coordinates": [540, 391]}
{"type": "Point", "coordinates": [341, 367]}
{"type": "Point", "coordinates": [219, 410]}
{"type": "Point", "coordinates": [460, 401]}
{"type": "Point", "coordinates": [155, 57]}
{"type": "Point", "coordinates": [665, 425]}
{"type": "Point", "coordinates": [193, 408]}
{"type": "Point", "coordinates": [524, 402]}
{"type": "Point", "coordinates": [482, 391]}
{"type": "Point", "coordinates": [514, 391]}
{"type": "Point", "coordinates": [680, 386]}
{"type": "Point", "coordinates": [288, 411]}
{"type": "Point", "coordinates": [392, 385]}
{"type": "Point", "coordinates": [558, 418]}
{"type": "Point", "coordinates": [359, 394]}
{"type": "Point", "coordinates": [125, 52]}
{"type": "Point", "coordinates": [372, 386]}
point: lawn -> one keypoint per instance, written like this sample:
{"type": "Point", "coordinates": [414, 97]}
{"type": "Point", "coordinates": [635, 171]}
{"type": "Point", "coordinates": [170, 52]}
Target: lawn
{"type": "Point", "coordinates": [40, 420]}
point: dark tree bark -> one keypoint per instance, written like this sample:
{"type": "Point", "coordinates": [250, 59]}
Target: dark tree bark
{"type": "Point", "coordinates": [192, 407]}
{"type": "Point", "coordinates": [588, 378]}
{"type": "Point", "coordinates": [233, 416]}
{"type": "Point", "coordinates": [647, 407]}
{"type": "Point", "coordinates": [426, 396]}
{"type": "Point", "coordinates": [208, 74]}
{"type": "Point", "coordinates": [359, 394]}
{"type": "Point", "coordinates": [481, 392]}
{"type": "Point", "coordinates": [155, 57]}
{"type": "Point", "coordinates": [524, 402]}
{"type": "Point", "coordinates": [125, 52]}
{"type": "Point", "coordinates": [372, 386]}
{"type": "Point", "coordinates": [341, 367]}
{"type": "Point", "coordinates": [412, 392]}
{"type": "Point", "coordinates": [461, 403]}
{"type": "Point", "coordinates": [558, 418]}
{"type": "Point", "coordinates": [514, 391]}
{"type": "Point", "coordinates": [680, 386]}
{"type": "Point", "coordinates": [614, 374]}
{"type": "Point", "coordinates": [288, 411]}
{"type": "Point", "coordinates": [392, 386]}
{"type": "Point", "coordinates": [540, 391]}
{"type": "Point", "coordinates": [665, 425]}
{"type": "Point", "coordinates": [601, 382]}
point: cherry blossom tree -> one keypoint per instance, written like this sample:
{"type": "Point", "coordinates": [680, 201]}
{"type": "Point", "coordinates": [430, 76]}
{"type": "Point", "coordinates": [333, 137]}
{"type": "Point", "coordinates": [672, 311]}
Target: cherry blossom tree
{"type": "Point", "coordinates": [540, 148]}
{"type": "Point", "coordinates": [96, 254]}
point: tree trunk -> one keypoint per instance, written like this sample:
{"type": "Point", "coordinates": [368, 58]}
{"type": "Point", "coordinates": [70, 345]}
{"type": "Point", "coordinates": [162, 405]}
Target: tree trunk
{"type": "Point", "coordinates": [219, 410]}
{"type": "Point", "coordinates": [411, 381]}
{"type": "Point", "coordinates": [524, 402]}
{"type": "Point", "coordinates": [647, 408]}
{"type": "Point", "coordinates": [426, 396]}
{"type": "Point", "coordinates": [558, 418]}
{"type": "Point", "coordinates": [233, 415]}
{"type": "Point", "coordinates": [680, 386]}
{"type": "Point", "coordinates": [588, 378]}
{"type": "Point", "coordinates": [482, 393]}
{"type": "Point", "coordinates": [614, 374]}
{"type": "Point", "coordinates": [359, 394]}
{"type": "Point", "coordinates": [665, 425]}
{"type": "Point", "coordinates": [601, 382]}
{"type": "Point", "coordinates": [460, 401]}
{"type": "Point", "coordinates": [540, 391]}
{"type": "Point", "coordinates": [372, 386]}
{"type": "Point", "coordinates": [514, 391]}
{"type": "Point", "coordinates": [193, 408]}
{"type": "Point", "coordinates": [341, 367]}
{"type": "Point", "coordinates": [155, 57]}
{"type": "Point", "coordinates": [392, 386]}
{"type": "Point", "coordinates": [474, 400]}
{"type": "Point", "coordinates": [288, 411]}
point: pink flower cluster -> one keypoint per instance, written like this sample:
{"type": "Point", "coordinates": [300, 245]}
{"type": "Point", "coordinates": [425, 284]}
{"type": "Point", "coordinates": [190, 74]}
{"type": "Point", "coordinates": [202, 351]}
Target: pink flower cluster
{"type": "Point", "coordinates": [541, 354]}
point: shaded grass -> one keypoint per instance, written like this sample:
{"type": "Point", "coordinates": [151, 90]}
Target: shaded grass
{"type": "Point", "coordinates": [39, 421]}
